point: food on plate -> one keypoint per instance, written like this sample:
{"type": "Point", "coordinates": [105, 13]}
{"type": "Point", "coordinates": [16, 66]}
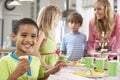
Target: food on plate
{"type": "Point", "coordinates": [94, 74]}
{"type": "Point", "coordinates": [76, 63]}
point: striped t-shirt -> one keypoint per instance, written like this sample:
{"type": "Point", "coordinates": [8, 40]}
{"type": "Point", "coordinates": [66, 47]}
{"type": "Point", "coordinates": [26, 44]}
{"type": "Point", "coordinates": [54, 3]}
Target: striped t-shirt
{"type": "Point", "coordinates": [74, 45]}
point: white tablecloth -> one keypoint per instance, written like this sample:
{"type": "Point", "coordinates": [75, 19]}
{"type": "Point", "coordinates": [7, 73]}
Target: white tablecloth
{"type": "Point", "coordinates": [66, 74]}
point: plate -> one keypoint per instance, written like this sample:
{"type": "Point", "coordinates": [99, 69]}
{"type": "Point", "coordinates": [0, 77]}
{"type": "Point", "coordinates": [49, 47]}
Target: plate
{"type": "Point", "coordinates": [93, 75]}
{"type": "Point", "coordinates": [75, 63]}
{"type": "Point", "coordinates": [99, 70]}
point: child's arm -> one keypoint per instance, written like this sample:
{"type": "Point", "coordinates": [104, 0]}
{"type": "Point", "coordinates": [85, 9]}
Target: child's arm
{"type": "Point", "coordinates": [43, 62]}
{"type": "Point", "coordinates": [13, 76]}
{"type": "Point", "coordinates": [53, 70]}
{"type": "Point", "coordinates": [22, 67]}
{"type": "Point", "coordinates": [41, 38]}
{"type": "Point", "coordinates": [36, 52]}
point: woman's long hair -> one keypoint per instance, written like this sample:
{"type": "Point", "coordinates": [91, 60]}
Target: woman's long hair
{"type": "Point", "coordinates": [108, 20]}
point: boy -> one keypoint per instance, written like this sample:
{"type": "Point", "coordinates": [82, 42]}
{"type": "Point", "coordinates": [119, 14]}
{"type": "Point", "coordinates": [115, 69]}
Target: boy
{"type": "Point", "coordinates": [74, 43]}
{"type": "Point", "coordinates": [25, 34]}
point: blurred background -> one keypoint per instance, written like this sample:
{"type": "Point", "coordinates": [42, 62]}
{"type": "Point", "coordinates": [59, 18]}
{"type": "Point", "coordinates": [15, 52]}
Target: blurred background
{"type": "Point", "coordinates": [13, 10]}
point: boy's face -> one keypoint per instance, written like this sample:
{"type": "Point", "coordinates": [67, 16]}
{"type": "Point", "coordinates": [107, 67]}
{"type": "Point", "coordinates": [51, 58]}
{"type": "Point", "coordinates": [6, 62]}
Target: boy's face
{"type": "Point", "coordinates": [26, 38]}
{"type": "Point", "coordinates": [74, 27]}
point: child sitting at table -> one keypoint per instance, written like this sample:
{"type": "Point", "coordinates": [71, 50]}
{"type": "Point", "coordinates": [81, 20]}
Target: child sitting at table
{"type": "Point", "coordinates": [74, 43]}
{"type": "Point", "coordinates": [25, 34]}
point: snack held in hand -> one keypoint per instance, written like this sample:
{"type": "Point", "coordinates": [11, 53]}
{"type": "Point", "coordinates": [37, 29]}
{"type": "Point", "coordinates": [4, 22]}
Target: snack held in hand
{"type": "Point", "coordinates": [23, 58]}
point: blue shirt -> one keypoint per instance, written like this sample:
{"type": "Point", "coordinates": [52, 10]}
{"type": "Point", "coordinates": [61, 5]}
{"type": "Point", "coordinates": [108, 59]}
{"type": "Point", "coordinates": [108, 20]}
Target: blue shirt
{"type": "Point", "coordinates": [74, 45]}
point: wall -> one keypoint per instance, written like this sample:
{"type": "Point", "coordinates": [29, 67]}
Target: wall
{"type": "Point", "coordinates": [55, 2]}
{"type": "Point", "coordinates": [0, 9]}
{"type": "Point", "coordinates": [0, 21]}
{"type": "Point", "coordinates": [87, 14]}
{"type": "Point", "coordinates": [23, 11]}
{"type": "Point", "coordinates": [118, 6]}
{"type": "Point", "coordinates": [41, 3]}
{"type": "Point", "coordinates": [16, 14]}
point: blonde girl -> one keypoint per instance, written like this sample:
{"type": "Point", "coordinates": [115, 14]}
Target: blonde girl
{"type": "Point", "coordinates": [47, 20]}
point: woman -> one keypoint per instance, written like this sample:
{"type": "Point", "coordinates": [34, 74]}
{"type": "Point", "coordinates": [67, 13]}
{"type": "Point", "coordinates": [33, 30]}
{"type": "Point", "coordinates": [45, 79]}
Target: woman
{"type": "Point", "coordinates": [107, 22]}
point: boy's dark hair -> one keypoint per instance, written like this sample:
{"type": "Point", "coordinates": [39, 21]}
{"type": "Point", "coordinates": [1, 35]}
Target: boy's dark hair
{"type": "Point", "coordinates": [75, 17]}
{"type": "Point", "coordinates": [23, 22]}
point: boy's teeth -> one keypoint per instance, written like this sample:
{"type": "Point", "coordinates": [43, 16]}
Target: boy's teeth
{"type": "Point", "coordinates": [27, 45]}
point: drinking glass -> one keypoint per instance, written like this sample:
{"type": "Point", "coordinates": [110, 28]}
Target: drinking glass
{"type": "Point", "coordinates": [89, 63]}
{"type": "Point", "coordinates": [112, 68]}
{"type": "Point", "coordinates": [63, 58]}
{"type": "Point", "coordinates": [100, 62]}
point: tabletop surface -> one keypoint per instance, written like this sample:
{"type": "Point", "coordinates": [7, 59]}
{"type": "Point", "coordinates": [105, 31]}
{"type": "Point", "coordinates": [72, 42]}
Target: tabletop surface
{"type": "Point", "coordinates": [67, 74]}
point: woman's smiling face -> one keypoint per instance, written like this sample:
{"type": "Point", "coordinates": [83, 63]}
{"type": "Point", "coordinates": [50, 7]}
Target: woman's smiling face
{"type": "Point", "coordinates": [99, 11]}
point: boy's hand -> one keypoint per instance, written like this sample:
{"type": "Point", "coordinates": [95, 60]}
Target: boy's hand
{"type": "Point", "coordinates": [22, 67]}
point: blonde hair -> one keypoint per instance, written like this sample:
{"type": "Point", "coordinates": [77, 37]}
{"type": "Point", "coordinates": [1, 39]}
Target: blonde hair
{"type": "Point", "coordinates": [108, 21]}
{"type": "Point", "coordinates": [47, 17]}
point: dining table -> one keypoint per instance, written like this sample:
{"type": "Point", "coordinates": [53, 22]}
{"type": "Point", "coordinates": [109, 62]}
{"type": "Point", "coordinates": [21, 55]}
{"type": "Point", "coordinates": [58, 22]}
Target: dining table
{"type": "Point", "coordinates": [67, 73]}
